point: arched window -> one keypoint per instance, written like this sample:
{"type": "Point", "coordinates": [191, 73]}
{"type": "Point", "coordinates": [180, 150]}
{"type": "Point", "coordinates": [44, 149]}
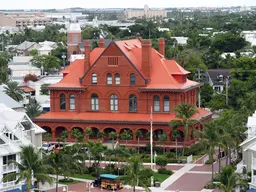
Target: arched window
{"type": "Point", "coordinates": [94, 79]}
{"type": "Point", "coordinates": [132, 79]}
{"type": "Point", "coordinates": [156, 103]}
{"type": "Point", "coordinates": [113, 103]}
{"type": "Point", "coordinates": [133, 103]}
{"type": "Point", "coordinates": [62, 101]}
{"type": "Point", "coordinates": [72, 102]}
{"type": "Point", "coordinates": [117, 79]}
{"type": "Point", "coordinates": [166, 103]}
{"type": "Point", "coordinates": [94, 102]}
{"type": "Point", "coordinates": [109, 79]}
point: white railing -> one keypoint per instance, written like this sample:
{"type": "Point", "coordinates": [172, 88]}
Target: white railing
{"type": "Point", "coordinates": [9, 168]}
{"type": "Point", "coordinates": [240, 167]}
{"type": "Point", "coordinates": [253, 180]}
{"type": "Point", "coordinates": [8, 184]}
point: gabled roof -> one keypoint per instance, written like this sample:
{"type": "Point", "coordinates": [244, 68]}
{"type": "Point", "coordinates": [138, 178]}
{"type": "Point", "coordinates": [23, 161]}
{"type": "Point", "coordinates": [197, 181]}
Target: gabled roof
{"type": "Point", "coordinates": [25, 45]}
{"type": "Point", "coordinates": [9, 102]}
{"type": "Point", "coordinates": [214, 73]}
{"type": "Point", "coordinates": [162, 75]}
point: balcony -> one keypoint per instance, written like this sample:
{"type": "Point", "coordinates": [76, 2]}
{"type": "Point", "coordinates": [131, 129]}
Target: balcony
{"type": "Point", "coordinates": [8, 184]}
{"type": "Point", "coordinates": [9, 168]}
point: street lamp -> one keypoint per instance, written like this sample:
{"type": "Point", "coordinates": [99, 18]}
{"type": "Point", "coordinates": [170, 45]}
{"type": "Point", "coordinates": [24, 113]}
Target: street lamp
{"type": "Point", "coordinates": [63, 57]}
{"type": "Point", "coordinates": [155, 156]}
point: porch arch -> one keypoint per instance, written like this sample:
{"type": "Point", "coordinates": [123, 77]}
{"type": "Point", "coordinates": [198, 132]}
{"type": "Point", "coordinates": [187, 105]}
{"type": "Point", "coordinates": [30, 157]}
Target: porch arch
{"type": "Point", "coordinates": [126, 129]}
{"type": "Point", "coordinates": [47, 129]}
{"type": "Point", "coordinates": [59, 130]}
{"type": "Point", "coordinates": [158, 132]}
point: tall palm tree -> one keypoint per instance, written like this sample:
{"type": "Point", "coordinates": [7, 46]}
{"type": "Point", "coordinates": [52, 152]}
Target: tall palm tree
{"type": "Point", "coordinates": [30, 165]}
{"type": "Point", "coordinates": [14, 91]}
{"type": "Point", "coordinates": [33, 110]}
{"type": "Point", "coordinates": [228, 180]}
{"type": "Point", "coordinates": [184, 114]}
{"type": "Point", "coordinates": [134, 174]}
{"type": "Point", "coordinates": [100, 134]}
{"type": "Point", "coordinates": [209, 138]}
{"type": "Point", "coordinates": [78, 135]}
{"type": "Point", "coordinates": [176, 134]}
{"type": "Point", "coordinates": [88, 132]}
{"type": "Point", "coordinates": [112, 135]}
{"type": "Point", "coordinates": [126, 135]}
{"type": "Point", "coordinates": [138, 134]}
{"type": "Point", "coordinates": [162, 138]}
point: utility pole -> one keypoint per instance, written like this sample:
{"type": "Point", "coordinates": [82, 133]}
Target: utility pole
{"type": "Point", "coordinates": [227, 81]}
{"type": "Point", "coordinates": [199, 94]}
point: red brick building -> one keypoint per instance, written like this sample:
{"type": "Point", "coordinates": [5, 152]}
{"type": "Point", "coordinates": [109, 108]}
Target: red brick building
{"type": "Point", "coordinates": [113, 89]}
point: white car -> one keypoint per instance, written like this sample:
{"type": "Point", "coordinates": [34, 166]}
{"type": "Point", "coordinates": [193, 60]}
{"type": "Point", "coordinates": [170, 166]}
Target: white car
{"type": "Point", "coordinates": [47, 147]}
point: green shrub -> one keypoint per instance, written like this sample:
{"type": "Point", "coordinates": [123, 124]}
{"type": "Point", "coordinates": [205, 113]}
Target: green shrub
{"type": "Point", "coordinates": [209, 161]}
{"type": "Point", "coordinates": [91, 169]}
{"type": "Point", "coordinates": [94, 174]}
{"type": "Point", "coordinates": [196, 149]}
{"type": "Point", "coordinates": [165, 171]}
{"type": "Point", "coordinates": [170, 155]}
{"type": "Point", "coordinates": [161, 161]}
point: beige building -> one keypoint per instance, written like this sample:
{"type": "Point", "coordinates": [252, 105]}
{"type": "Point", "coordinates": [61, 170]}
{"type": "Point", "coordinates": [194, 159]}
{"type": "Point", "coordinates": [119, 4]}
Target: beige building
{"type": "Point", "coordinates": [145, 13]}
{"type": "Point", "coordinates": [23, 19]}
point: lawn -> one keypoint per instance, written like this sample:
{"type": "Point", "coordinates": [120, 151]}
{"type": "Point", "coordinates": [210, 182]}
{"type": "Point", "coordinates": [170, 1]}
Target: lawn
{"type": "Point", "coordinates": [84, 176]}
{"type": "Point", "coordinates": [160, 177]}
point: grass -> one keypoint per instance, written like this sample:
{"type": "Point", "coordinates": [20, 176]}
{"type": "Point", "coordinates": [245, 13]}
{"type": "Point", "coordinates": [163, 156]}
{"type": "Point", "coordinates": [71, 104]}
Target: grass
{"type": "Point", "coordinates": [68, 182]}
{"type": "Point", "coordinates": [160, 177]}
{"type": "Point", "coordinates": [84, 176]}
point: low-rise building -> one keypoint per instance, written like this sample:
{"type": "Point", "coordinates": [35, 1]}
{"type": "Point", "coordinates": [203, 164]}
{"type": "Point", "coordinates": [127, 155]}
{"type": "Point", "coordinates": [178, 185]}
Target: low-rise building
{"type": "Point", "coordinates": [144, 13]}
{"type": "Point", "coordinates": [16, 130]}
{"type": "Point", "coordinates": [217, 78]}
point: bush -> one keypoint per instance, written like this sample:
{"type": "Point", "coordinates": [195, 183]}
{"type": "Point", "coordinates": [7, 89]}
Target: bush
{"type": "Point", "coordinates": [165, 171]}
{"type": "Point", "coordinates": [94, 174]}
{"type": "Point", "coordinates": [170, 155]}
{"type": "Point", "coordinates": [196, 149]}
{"type": "Point", "coordinates": [44, 89]}
{"type": "Point", "coordinates": [209, 185]}
{"type": "Point", "coordinates": [209, 161]}
{"type": "Point", "coordinates": [161, 161]}
{"type": "Point", "coordinates": [91, 169]}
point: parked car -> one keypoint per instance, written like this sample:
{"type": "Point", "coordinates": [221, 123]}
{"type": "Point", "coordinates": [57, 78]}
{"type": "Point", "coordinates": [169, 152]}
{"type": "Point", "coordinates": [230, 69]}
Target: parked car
{"type": "Point", "coordinates": [47, 147]}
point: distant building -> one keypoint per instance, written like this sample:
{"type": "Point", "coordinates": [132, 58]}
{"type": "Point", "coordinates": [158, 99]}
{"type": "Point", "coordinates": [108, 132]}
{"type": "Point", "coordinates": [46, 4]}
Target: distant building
{"type": "Point", "coordinates": [16, 130]}
{"type": "Point", "coordinates": [217, 78]}
{"type": "Point", "coordinates": [23, 19]}
{"type": "Point", "coordinates": [181, 40]}
{"type": "Point", "coordinates": [144, 13]}
{"type": "Point", "coordinates": [26, 46]}
{"type": "Point", "coordinates": [10, 102]}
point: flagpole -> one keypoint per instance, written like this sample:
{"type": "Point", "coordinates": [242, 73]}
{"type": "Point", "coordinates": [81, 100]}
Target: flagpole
{"type": "Point", "coordinates": [151, 137]}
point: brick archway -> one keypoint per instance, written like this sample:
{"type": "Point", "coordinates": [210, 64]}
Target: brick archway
{"type": "Point", "coordinates": [144, 132]}
{"type": "Point", "coordinates": [158, 132]}
{"type": "Point", "coordinates": [181, 137]}
{"type": "Point", "coordinates": [107, 131]}
{"type": "Point", "coordinates": [95, 132]}
{"type": "Point", "coordinates": [59, 130]}
{"type": "Point", "coordinates": [47, 129]}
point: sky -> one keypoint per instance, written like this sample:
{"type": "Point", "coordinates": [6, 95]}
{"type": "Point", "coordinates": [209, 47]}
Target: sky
{"type": "Point", "coordinates": [60, 4]}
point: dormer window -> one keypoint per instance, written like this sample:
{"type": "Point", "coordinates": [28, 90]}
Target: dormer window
{"type": "Point", "coordinates": [220, 78]}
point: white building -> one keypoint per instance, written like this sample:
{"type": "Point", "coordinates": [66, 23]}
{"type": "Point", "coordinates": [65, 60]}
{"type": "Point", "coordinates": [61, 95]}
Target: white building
{"type": "Point", "coordinates": [249, 151]}
{"type": "Point", "coordinates": [16, 130]}
{"type": "Point", "coordinates": [250, 36]}
{"type": "Point", "coordinates": [145, 13]}
{"type": "Point", "coordinates": [181, 40]}
{"type": "Point", "coordinates": [21, 66]}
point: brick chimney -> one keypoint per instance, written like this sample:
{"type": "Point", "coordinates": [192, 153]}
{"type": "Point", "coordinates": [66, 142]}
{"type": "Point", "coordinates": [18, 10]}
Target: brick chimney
{"type": "Point", "coordinates": [87, 50]}
{"type": "Point", "coordinates": [102, 43]}
{"type": "Point", "coordinates": [146, 56]}
{"type": "Point", "coordinates": [161, 46]}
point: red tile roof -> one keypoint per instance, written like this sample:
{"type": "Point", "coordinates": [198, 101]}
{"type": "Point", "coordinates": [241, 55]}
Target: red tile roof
{"type": "Point", "coordinates": [114, 117]}
{"type": "Point", "coordinates": [27, 89]}
{"type": "Point", "coordinates": [161, 76]}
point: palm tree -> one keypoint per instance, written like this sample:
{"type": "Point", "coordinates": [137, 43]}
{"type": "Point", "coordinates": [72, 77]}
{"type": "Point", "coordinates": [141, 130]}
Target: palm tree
{"type": "Point", "coordinates": [77, 134]}
{"type": "Point", "coordinates": [33, 110]}
{"type": "Point", "coordinates": [184, 114]}
{"type": "Point", "coordinates": [126, 135]}
{"type": "Point", "coordinates": [176, 135]}
{"type": "Point", "coordinates": [100, 134]}
{"type": "Point", "coordinates": [55, 160]}
{"type": "Point", "coordinates": [138, 134]}
{"type": "Point", "coordinates": [14, 91]}
{"type": "Point", "coordinates": [47, 136]}
{"type": "Point", "coordinates": [228, 180]}
{"type": "Point", "coordinates": [88, 132]}
{"type": "Point", "coordinates": [162, 138]}
{"type": "Point", "coordinates": [29, 166]}
{"type": "Point", "coordinates": [134, 174]}
{"type": "Point", "coordinates": [112, 135]}
{"type": "Point", "coordinates": [209, 138]}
